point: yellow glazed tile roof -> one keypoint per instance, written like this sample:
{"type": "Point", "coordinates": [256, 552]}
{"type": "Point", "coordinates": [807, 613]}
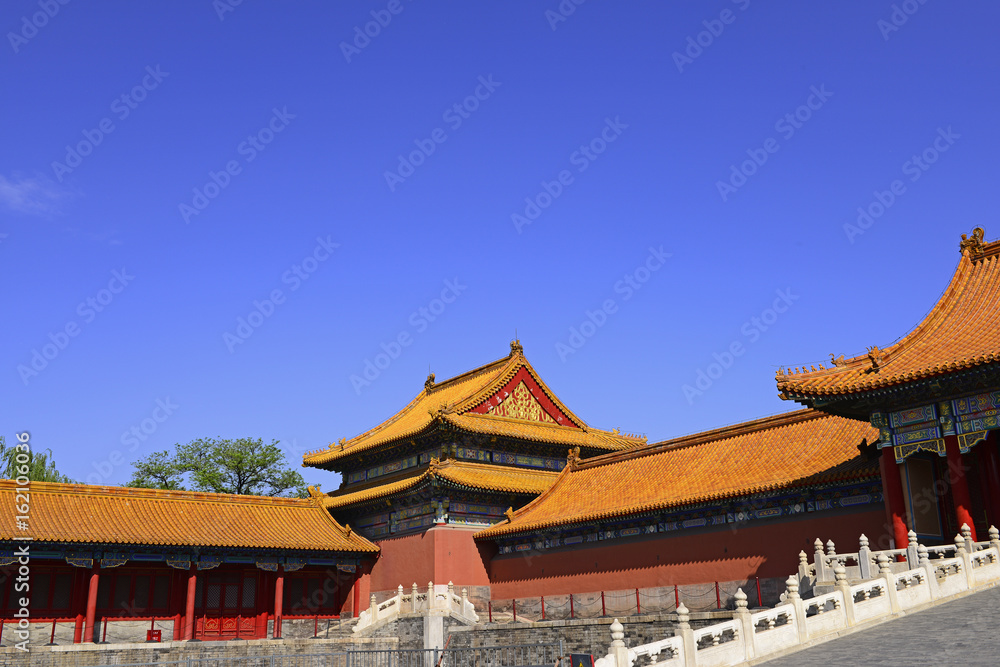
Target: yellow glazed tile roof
{"type": "Point", "coordinates": [961, 331]}
{"type": "Point", "coordinates": [469, 474]}
{"type": "Point", "coordinates": [789, 450]}
{"type": "Point", "coordinates": [455, 401]}
{"type": "Point", "coordinates": [120, 515]}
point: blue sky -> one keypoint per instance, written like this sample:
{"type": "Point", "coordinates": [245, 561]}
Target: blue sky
{"type": "Point", "coordinates": [529, 163]}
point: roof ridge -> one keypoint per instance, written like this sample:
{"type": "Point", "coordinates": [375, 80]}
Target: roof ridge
{"type": "Point", "coordinates": [141, 492]}
{"type": "Point", "coordinates": [430, 387]}
{"type": "Point", "coordinates": [511, 514]}
{"type": "Point", "coordinates": [702, 437]}
{"type": "Point", "coordinates": [965, 278]}
{"type": "Point", "coordinates": [454, 379]}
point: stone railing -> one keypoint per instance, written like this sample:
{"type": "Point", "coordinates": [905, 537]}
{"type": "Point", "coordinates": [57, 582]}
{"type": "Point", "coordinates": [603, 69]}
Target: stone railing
{"type": "Point", "coordinates": [889, 591]}
{"type": "Point", "coordinates": [440, 600]}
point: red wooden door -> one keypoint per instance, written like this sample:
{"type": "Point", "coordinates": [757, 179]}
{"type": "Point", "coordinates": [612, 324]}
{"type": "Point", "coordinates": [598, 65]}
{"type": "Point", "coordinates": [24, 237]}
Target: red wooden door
{"type": "Point", "coordinates": [228, 606]}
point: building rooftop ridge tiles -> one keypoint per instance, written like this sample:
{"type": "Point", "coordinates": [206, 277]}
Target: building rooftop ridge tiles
{"type": "Point", "coordinates": [80, 514]}
{"type": "Point", "coordinates": [678, 472]}
{"type": "Point", "coordinates": [458, 396]}
{"type": "Point", "coordinates": [972, 291]}
{"type": "Point", "coordinates": [701, 437]}
{"type": "Point", "coordinates": [160, 494]}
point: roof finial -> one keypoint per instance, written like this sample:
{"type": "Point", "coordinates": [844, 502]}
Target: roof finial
{"type": "Point", "coordinates": [516, 347]}
{"type": "Point", "coordinates": [875, 356]}
{"type": "Point", "coordinates": [429, 382]}
{"type": "Point", "coordinates": [975, 244]}
{"type": "Point", "coordinates": [573, 456]}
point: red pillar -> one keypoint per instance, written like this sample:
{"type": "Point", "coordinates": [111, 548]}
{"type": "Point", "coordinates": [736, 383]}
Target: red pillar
{"type": "Point", "coordinates": [78, 604]}
{"type": "Point", "coordinates": [892, 491]}
{"type": "Point", "coordinates": [989, 464]}
{"type": "Point", "coordinates": [279, 596]}
{"type": "Point", "coordinates": [92, 602]}
{"type": "Point", "coordinates": [192, 588]}
{"type": "Point", "coordinates": [959, 485]}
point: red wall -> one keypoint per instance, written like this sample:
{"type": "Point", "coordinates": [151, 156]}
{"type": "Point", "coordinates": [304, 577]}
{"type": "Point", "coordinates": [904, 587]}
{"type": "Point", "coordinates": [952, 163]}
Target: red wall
{"type": "Point", "coordinates": [441, 554]}
{"type": "Point", "coordinates": [767, 549]}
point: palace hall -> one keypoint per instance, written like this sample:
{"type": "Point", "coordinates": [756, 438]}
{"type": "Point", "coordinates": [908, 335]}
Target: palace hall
{"type": "Point", "coordinates": [488, 480]}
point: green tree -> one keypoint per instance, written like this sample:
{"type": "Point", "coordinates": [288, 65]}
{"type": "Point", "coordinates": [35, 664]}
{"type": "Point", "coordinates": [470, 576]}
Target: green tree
{"type": "Point", "coordinates": [41, 465]}
{"type": "Point", "coordinates": [243, 466]}
{"type": "Point", "coordinates": [159, 470]}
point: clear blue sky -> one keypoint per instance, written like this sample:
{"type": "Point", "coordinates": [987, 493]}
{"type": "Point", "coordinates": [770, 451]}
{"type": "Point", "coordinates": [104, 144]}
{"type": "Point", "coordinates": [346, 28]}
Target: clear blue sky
{"type": "Point", "coordinates": [630, 127]}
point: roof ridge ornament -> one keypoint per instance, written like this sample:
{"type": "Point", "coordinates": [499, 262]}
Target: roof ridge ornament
{"type": "Point", "coordinates": [875, 355]}
{"type": "Point", "coordinates": [516, 348]}
{"type": "Point", "coordinates": [837, 361]}
{"type": "Point", "coordinates": [429, 382]}
{"type": "Point", "coordinates": [975, 244]}
{"type": "Point", "coordinates": [573, 456]}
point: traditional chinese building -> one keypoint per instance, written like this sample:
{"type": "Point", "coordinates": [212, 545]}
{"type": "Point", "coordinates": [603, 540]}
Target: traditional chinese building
{"type": "Point", "coordinates": [935, 398]}
{"type": "Point", "coordinates": [722, 505]}
{"type": "Point", "coordinates": [451, 462]}
{"type": "Point", "coordinates": [218, 566]}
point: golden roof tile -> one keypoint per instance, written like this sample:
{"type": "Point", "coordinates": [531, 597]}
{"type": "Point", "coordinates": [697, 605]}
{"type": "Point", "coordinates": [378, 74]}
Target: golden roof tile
{"type": "Point", "coordinates": [126, 516]}
{"type": "Point", "coordinates": [466, 401]}
{"type": "Point", "coordinates": [784, 451]}
{"type": "Point", "coordinates": [961, 331]}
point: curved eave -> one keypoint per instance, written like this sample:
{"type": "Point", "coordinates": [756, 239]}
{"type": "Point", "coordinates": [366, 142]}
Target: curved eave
{"type": "Point", "coordinates": [969, 303]}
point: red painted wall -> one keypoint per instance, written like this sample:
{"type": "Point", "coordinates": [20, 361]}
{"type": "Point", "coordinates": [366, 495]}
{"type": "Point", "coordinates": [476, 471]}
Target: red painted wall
{"type": "Point", "coordinates": [440, 554]}
{"type": "Point", "coordinates": [765, 550]}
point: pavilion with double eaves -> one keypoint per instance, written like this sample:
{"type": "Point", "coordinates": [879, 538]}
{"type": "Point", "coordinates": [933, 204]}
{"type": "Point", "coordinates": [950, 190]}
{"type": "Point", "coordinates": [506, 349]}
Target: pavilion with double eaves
{"type": "Point", "coordinates": [455, 460]}
{"type": "Point", "coordinates": [934, 396]}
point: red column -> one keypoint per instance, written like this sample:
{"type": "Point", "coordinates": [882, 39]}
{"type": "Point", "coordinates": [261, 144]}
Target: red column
{"type": "Point", "coordinates": [192, 588]}
{"type": "Point", "coordinates": [959, 485]}
{"type": "Point", "coordinates": [989, 464]}
{"type": "Point", "coordinates": [92, 602]}
{"type": "Point", "coordinates": [78, 606]}
{"type": "Point", "coordinates": [892, 492]}
{"type": "Point", "coordinates": [279, 596]}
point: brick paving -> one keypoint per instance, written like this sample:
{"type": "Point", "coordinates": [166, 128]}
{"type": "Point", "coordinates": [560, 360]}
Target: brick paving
{"type": "Point", "coordinates": [963, 632]}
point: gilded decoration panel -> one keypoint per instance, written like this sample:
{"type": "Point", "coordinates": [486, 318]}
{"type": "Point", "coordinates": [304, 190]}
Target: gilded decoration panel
{"type": "Point", "coordinates": [521, 405]}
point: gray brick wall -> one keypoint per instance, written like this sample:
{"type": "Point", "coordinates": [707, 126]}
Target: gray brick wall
{"type": "Point", "coordinates": [126, 654]}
